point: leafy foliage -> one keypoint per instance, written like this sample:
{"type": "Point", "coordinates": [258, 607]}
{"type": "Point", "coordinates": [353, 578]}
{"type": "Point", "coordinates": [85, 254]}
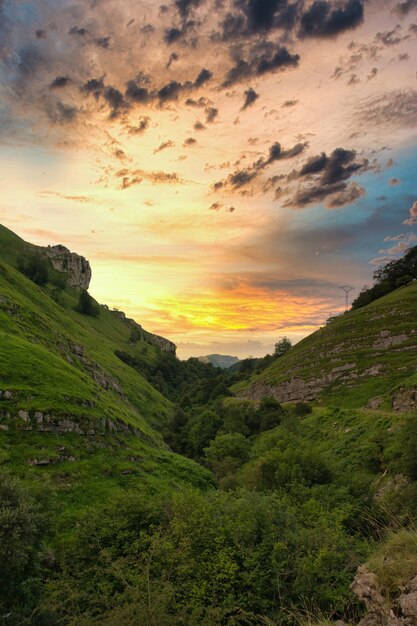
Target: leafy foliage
{"type": "Point", "coordinates": [389, 277]}
{"type": "Point", "coordinates": [35, 267]}
{"type": "Point", "coordinates": [87, 305]}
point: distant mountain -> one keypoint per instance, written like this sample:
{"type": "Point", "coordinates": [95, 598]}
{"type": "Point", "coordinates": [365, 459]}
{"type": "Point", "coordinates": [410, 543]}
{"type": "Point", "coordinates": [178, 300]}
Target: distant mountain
{"type": "Point", "coordinates": [219, 360]}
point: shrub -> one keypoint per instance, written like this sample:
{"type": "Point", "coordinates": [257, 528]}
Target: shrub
{"type": "Point", "coordinates": [34, 267]}
{"type": "Point", "coordinates": [86, 305]}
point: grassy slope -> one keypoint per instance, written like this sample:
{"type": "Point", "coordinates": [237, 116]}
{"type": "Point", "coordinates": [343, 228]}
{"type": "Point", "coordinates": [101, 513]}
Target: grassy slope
{"type": "Point", "coordinates": [48, 353]}
{"type": "Point", "coordinates": [349, 340]}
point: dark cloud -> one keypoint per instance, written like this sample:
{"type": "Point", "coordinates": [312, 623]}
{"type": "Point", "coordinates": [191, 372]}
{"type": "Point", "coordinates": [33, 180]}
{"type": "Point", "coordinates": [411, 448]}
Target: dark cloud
{"type": "Point", "coordinates": [199, 126]}
{"type": "Point", "coordinates": [289, 103]}
{"type": "Point", "coordinates": [260, 63]}
{"type": "Point", "coordinates": [41, 34]}
{"type": "Point", "coordinates": [393, 109]}
{"type": "Point", "coordinates": [200, 103]}
{"type": "Point", "coordinates": [94, 87]}
{"type": "Point", "coordinates": [59, 82]}
{"type": "Point", "coordinates": [130, 177]}
{"type": "Point", "coordinates": [190, 141]}
{"type": "Point", "coordinates": [171, 91]}
{"type": "Point", "coordinates": [172, 35]}
{"type": "Point", "coordinates": [391, 37]}
{"type": "Point", "coordinates": [327, 177]}
{"type": "Point", "coordinates": [324, 19]}
{"type": "Point", "coordinates": [61, 113]}
{"type": "Point", "coordinates": [172, 57]}
{"type": "Point", "coordinates": [78, 31]}
{"type": "Point", "coordinates": [241, 178]}
{"type": "Point", "coordinates": [143, 124]}
{"type": "Point", "coordinates": [102, 42]}
{"type": "Point", "coordinates": [211, 114]}
{"type": "Point", "coordinates": [137, 92]}
{"type": "Point", "coordinates": [250, 97]}
{"type": "Point", "coordinates": [276, 153]}
{"type": "Point", "coordinates": [258, 17]}
{"type": "Point", "coordinates": [403, 8]}
{"type": "Point", "coordinates": [164, 146]}
{"type": "Point", "coordinates": [115, 100]}
{"type": "Point", "coordinates": [186, 6]}
{"type": "Point", "coordinates": [120, 154]}
{"type": "Point", "coordinates": [204, 76]}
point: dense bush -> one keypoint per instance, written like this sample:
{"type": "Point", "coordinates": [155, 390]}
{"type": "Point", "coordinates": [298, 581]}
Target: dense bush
{"type": "Point", "coordinates": [34, 267]}
{"type": "Point", "coordinates": [87, 305]}
{"type": "Point", "coordinates": [21, 528]}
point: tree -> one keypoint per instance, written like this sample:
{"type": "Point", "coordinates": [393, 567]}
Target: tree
{"type": "Point", "coordinates": [203, 428]}
{"type": "Point", "coordinates": [226, 453]}
{"type": "Point", "coordinates": [282, 346]}
{"type": "Point", "coordinates": [86, 305]}
{"type": "Point", "coordinates": [34, 267]}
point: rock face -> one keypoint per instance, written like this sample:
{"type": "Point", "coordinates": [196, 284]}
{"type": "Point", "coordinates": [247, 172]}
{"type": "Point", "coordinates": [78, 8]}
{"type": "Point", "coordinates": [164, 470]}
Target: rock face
{"type": "Point", "coordinates": [381, 610]}
{"type": "Point", "coordinates": [76, 267]}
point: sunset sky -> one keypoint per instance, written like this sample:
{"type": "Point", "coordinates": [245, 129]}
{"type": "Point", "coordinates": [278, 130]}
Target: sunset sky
{"type": "Point", "coordinates": [224, 165]}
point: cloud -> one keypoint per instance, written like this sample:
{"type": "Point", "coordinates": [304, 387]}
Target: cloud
{"type": "Point", "coordinates": [393, 182]}
{"type": "Point", "coordinates": [403, 8]}
{"type": "Point", "coordinates": [59, 82]}
{"type": "Point", "coordinates": [61, 113]}
{"type": "Point", "coordinates": [130, 177]}
{"type": "Point", "coordinates": [211, 114]}
{"type": "Point", "coordinates": [142, 125]}
{"type": "Point", "coordinates": [289, 103]}
{"type": "Point", "coordinates": [272, 59]}
{"type": "Point", "coordinates": [241, 178]}
{"type": "Point", "coordinates": [327, 176]}
{"type": "Point", "coordinates": [250, 98]}
{"type": "Point", "coordinates": [164, 146]}
{"type": "Point", "coordinates": [323, 19]}
{"type": "Point", "coordinates": [393, 109]}
{"type": "Point", "coordinates": [412, 220]}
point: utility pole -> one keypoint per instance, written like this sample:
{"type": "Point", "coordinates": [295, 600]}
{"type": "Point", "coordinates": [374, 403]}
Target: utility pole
{"type": "Point", "coordinates": [346, 289]}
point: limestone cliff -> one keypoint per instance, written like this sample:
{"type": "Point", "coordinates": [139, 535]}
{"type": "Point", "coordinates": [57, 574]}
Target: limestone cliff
{"type": "Point", "coordinates": [76, 267]}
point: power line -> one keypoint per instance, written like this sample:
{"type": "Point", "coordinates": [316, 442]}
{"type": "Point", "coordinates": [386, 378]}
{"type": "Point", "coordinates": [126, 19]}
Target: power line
{"type": "Point", "coordinates": [347, 289]}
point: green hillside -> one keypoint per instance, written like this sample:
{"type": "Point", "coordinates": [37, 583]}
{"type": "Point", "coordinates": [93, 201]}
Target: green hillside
{"type": "Point", "coordinates": [365, 357]}
{"type": "Point", "coordinates": [64, 394]}
{"type": "Point", "coordinates": [193, 506]}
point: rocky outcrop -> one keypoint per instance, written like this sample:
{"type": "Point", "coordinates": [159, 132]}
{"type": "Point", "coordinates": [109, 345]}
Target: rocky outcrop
{"type": "Point", "coordinates": [381, 609]}
{"type": "Point", "coordinates": [156, 340]}
{"type": "Point", "coordinates": [386, 340]}
{"type": "Point", "coordinates": [405, 400]}
{"type": "Point", "coordinates": [49, 423]}
{"type": "Point", "coordinates": [76, 267]}
{"type": "Point", "coordinates": [297, 389]}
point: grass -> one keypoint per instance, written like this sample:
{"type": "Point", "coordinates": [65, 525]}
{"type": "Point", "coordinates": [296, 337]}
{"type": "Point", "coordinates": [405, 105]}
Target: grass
{"type": "Point", "coordinates": [349, 340]}
{"type": "Point", "coordinates": [395, 561]}
{"type": "Point", "coordinates": [62, 363]}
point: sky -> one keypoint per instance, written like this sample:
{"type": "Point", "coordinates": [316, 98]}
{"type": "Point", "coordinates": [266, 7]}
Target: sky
{"type": "Point", "coordinates": [225, 165]}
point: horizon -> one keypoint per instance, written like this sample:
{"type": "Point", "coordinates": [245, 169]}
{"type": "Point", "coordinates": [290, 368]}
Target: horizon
{"type": "Point", "coordinates": [224, 172]}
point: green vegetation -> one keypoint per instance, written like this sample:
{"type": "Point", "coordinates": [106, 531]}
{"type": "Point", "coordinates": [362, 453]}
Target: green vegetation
{"type": "Point", "coordinates": [389, 277]}
{"type": "Point", "coordinates": [136, 489]}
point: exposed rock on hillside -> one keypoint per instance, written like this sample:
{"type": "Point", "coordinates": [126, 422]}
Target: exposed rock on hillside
{"type": "Point", "coordinates": [382, 610]}
{"type": "Point", "coordinates": [76, 267]}
{"type": "Point", "coordinates": [155, 340]}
